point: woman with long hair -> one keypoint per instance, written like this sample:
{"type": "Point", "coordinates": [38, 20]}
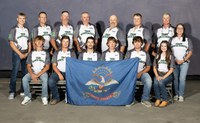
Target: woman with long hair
{"type": "Point", "coordinates": [163, 68]}
{"type": "Point", "coordinates": [182, 49]}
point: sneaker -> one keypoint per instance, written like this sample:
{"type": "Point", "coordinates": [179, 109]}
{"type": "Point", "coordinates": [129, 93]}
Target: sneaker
{"type": "Point", "coordinates": [11, 96]}
{"type": "Point", "coordinates": [181, 99]}
{"type": "Point", "coordinates": [26, 100]}
{"type": "Point", "coordinates": [176, 98]}
{"type": "Point", "coordinates": [146, 103]}
{"type": "Point", "coordinates": [22, 94]}
{"type": "Point", "coordinates": [129, 105]}
{"type": "Point", "coordinates": [44, 100]}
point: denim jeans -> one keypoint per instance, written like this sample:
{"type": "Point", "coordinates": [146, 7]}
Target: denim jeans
{"type": "Point", "coordinates": [160, 87]}
{"type": "Point", "coordinates": [180, 74]}
{"type": "Point", "coordinates": [53, 79]}
{"type": "Point", "coordinates": [15, 68]}
{"type": "Point", "coordinates": [147, 81]}
{"type": "Point", "coordinates": [26, 80]}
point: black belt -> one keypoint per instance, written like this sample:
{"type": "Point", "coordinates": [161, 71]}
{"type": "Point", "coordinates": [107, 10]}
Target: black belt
{"type": "Point", "coordinates": [24, 51]}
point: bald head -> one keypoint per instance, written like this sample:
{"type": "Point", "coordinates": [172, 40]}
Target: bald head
{"type": "Point", "coordinates": [113, 21]}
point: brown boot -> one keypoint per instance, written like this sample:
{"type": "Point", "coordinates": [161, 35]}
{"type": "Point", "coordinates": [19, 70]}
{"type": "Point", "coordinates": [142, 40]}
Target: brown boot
{"type": "Point", "coordinates": [163, 104]}
{"type": "Point", "coordinates": [157, 103]}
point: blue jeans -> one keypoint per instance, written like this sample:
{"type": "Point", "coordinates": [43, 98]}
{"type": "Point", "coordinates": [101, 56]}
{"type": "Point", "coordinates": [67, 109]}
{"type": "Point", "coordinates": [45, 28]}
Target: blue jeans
{"type": "Point", "coordinates": [15, 68]}
{"type": "Point", "coordinates": [180, 73]}
{"type": "Point", "coordinates": [53, 79]}
{"type": "Point", "coordinates": [147, 81]}
{"type": "Point", "coordinates": [160, 87]}
{"type": "Point", "coordinates": [26, 80]}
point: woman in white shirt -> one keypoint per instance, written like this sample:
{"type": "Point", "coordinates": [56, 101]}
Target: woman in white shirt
{"type": "Point", "coordinates": [163, 68]}
{"type": "Point", "coordinates": [182, 49]}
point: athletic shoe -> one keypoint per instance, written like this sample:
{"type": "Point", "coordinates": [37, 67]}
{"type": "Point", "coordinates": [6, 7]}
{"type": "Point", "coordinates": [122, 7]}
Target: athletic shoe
{"type": "Point", "coordinates": [181, 99]}
{"type": "Point", "coordinates": [26, 100]}
{"type": "Point", "coordinates": [44, 100]}
{"type": "Point", "coordinates": [22, 94]}
{"type": "Point", "coordinates": [129, 105]}
{"type": "Point", "coordinates": [146, 103]}
{"type": "Point", "coordinates": [11, 96]}
{"type": "Point", "coordinates": [176, 98]}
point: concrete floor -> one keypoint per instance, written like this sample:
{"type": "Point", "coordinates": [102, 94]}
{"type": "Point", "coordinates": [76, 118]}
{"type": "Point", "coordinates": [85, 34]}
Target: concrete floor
{"type": "Point", "coordinates": [186, 112]}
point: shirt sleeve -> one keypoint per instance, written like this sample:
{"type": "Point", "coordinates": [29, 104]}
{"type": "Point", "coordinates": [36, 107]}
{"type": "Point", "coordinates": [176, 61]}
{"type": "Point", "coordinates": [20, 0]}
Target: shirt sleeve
{"type": "Point", "coordinates": [190, 45]}
{"type": "Point", "coordinates": [128, 55]}
{"type": "Point", "coordinates": [34, 33]}
{"type": "Point", "coordinates": [54, 58]}
{"type": "Point", "coordinates": [103, 56]}
{"type": "Point", "coordinates": [120, 56]}
{"type": "Point", "coordinates": [54, 33]}
{"type": "Point", "coordinates": [96, 34]}
{"type": "Point", "coordinates": [121, 37]}
{"type": "Point", "coordinates": [76, 31]}
{"type": "Point", "coordinates": [148, 60]}
{"type": "Point", "coordinates": [147, 35]}
{"type": "Point", "coordinates": [172, 62]}
{"type": "Point", "coordinates": [28, 60]}
{"type": "Point", "coordinates": [11, 36]}
{"type": "Point", "coordinates": [47, 61]}
{"type": "Point", "coordinates": [73, 55]}
{"type": "Point", "coordinates": [80, 57]}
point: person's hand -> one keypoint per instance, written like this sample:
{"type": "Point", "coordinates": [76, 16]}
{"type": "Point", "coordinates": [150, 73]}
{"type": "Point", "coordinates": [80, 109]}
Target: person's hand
{"type": "Point", "coordinates": [34, 78]}
{"type": "Point", "coordinates": [139, 75]}
{"type": "Point", "coordinates": [159, 78]}
{"type": "Point", "coordinates": [22, 56]}
{"type": "Point", "coordinates": [179, 61]}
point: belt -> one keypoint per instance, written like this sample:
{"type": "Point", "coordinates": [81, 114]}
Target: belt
{"type": "Point", "coordinates": [24, 51]}
{"type": "Point", "coordinates": [161, 73]}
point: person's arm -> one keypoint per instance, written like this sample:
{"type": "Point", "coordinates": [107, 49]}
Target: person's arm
{"type": "Point", "coordinates": [76, 35]}
{"type": "Point", "coordinates": [34, 77]}
{"type": "Point", "coordinates": [53, 39]}
{"type": "Point", "coordinates": [77, 45]}
{"type": "Point", "coordinates": [148, 38]}
{"type": "Point", "coordinates": [168, 73]}
{"type": "Point", "coordinates": [14, 48]}
{"type": "Point", "coordinates": [145, 70]}
{"type": "Point", "coordinates": [57, 71]}
{"type": "Point", "coordinates": [53, 43]}
{"type": "Point", "coordinates": [122, 40]}
{"type": "Point", "coordinates": [146, 47]}
{"type": "Point", "coordinates": [122, 49]}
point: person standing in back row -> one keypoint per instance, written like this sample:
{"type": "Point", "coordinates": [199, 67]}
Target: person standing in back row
{"type": "Point", "coordinates": [83, 31]}
{"type": "Point", "coordinates": [21, 46]}
{"type": "Point", "coordinates": [113, 31]}
{"type": "Point", "coordinates": [182, 49]}
{"type": "Point", "coordinates": [139, 30]}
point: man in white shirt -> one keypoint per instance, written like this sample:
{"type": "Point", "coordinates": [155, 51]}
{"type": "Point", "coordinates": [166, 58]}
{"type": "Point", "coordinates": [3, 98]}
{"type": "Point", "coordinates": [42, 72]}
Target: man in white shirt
{"type": "Point", "coordinates": [116, 32]}
{"type": "Point", "coordinates": [63, 29]}
{"type": "Point", "coordinates": [139, 30]}
{"type": "Point", "coordinates": [83, 31]}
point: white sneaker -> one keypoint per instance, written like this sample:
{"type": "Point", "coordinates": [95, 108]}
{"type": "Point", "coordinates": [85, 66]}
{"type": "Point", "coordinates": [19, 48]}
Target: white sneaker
{"type": "Point", "coordinates": [26, 100]}
{"type": "Point", "coordinates": [11, 96]}
{"type": "Point", "coordinates": [129, 105]}
{"type": "Point", "coordinates": [22, 94]}
{"type": "Point", "coordinates": [176, 98]}
{"type": "Point", "coordinates": [44, 100]}
{"type": "Point", "coordinates": [181, 99]}
{"type": "Point", "coordinates": [146, 103]}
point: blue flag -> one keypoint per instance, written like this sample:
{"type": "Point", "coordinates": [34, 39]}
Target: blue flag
{"type": "Point", "coordinates": [101, 82]}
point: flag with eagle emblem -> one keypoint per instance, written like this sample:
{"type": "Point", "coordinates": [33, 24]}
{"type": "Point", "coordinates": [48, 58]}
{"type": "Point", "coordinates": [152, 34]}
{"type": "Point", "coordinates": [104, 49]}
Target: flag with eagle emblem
{"type": "Point", "coordinates": [101, 82]}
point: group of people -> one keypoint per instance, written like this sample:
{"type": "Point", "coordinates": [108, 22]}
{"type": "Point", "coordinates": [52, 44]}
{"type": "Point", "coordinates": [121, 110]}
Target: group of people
{"type": "Point", "coordinates": [46, 47]}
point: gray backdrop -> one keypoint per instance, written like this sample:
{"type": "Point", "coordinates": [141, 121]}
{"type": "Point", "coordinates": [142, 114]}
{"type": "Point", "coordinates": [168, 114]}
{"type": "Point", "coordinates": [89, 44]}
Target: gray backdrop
{"type": "Point", "coordinates": [184, 11]}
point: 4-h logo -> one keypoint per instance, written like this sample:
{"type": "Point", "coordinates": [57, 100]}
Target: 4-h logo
{"type": "Point", "coordinates": [101, 84]}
